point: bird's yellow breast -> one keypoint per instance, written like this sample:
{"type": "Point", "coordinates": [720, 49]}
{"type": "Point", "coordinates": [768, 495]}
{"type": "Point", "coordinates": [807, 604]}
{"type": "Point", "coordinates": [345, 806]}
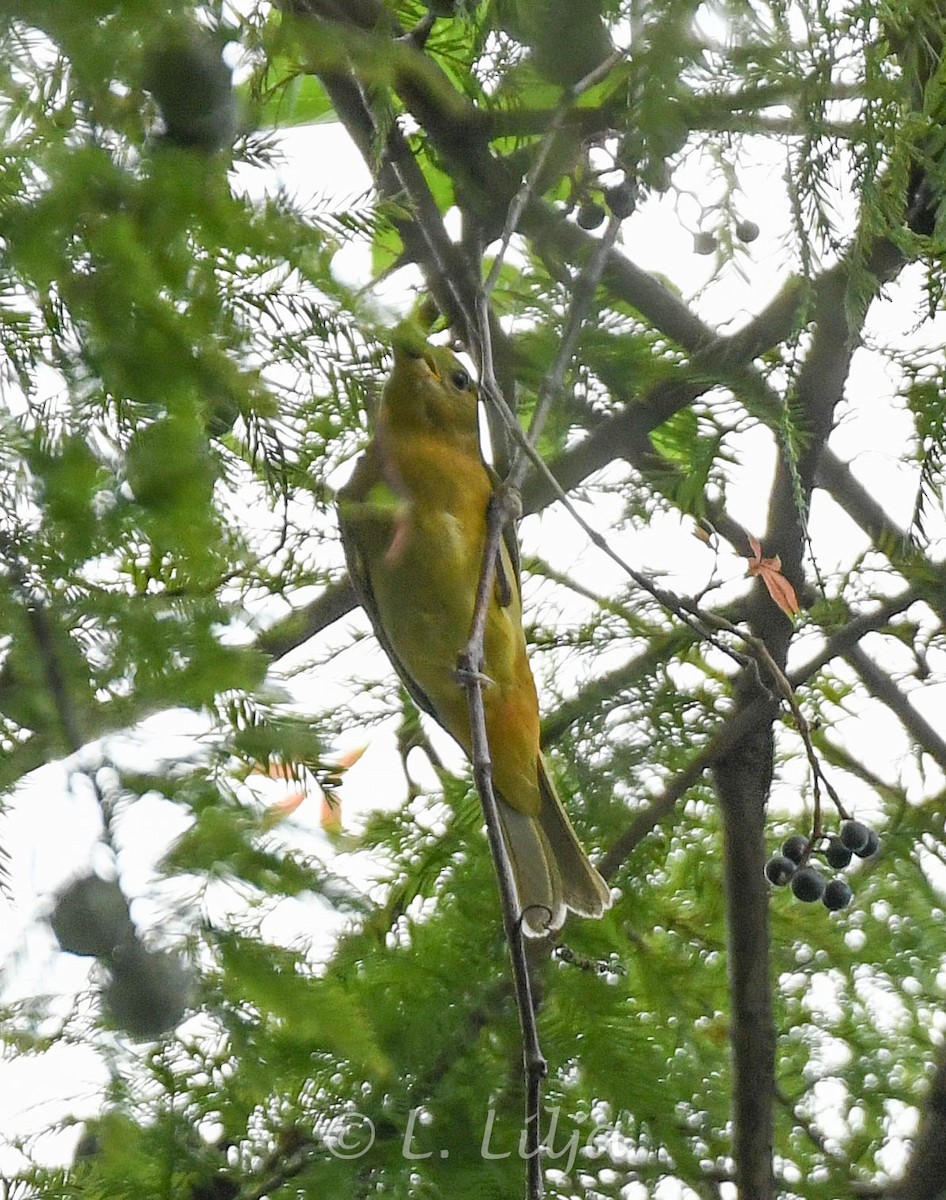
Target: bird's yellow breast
{"type": "Point", "coordinates": [425, 578]}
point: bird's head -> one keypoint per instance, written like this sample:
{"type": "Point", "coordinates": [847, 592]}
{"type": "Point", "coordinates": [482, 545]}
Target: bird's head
{"type": "Point", "coordinates": [429, 390]}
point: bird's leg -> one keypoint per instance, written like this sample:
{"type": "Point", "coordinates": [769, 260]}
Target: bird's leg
{"type": "Point", "coordinates": [494, 579]}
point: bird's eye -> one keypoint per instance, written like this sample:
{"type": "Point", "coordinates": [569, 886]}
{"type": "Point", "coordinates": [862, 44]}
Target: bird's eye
{"type": "Point", "coordinates": [460, 379]}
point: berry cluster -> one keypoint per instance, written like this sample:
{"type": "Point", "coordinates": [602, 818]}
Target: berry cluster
{"type": "Point", "coordinates": [791, 864]}
{"type": "Point", "coordinates": [621, 199]}
{"type": "Point", "coordinates": [705, 242]}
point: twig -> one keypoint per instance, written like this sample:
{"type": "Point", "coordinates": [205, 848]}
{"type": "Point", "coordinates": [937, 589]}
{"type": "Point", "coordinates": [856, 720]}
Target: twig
{"type": "Point", "coordinates": [74, 732]}
{"type": "Point", "coordinates": [583, 294]}
{"type": "Point", "coordinates": [430, 229]}
{"type": "Point", "coordinates": [685, 611]}
{"type": "Point", "coordinates": [762, 654]}
{"type": "Point", "coordinates": [471, 667]}
{"type": "Point", "coordinates": [738, 726]}
{"type": "Point", "coordinates": [880, 685]}
{"type": "Point", "coordinates": [504, 508]}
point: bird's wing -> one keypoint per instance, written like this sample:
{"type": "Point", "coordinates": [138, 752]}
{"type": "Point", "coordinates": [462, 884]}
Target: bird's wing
{"type": "Point", "coordinates": [366, 475]}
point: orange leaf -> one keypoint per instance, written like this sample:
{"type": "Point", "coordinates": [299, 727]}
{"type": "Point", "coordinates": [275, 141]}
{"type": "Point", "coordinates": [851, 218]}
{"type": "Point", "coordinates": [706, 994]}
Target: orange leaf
{"type": "Point", "coordinates": [782, 593]}
{"type": "Point", "coordinates": [349, 758]}
{"type": "Point", "coordinates": [330, 816]}
{"type": "Point", "coordinates": [282, 809]}
{"type": "Point", "coordinates": [769, 570]}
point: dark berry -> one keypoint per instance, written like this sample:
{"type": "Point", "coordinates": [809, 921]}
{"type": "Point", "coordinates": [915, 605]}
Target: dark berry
{"type": "Point", "coordinates": [808, 884]}
{"type": "Point", "coordinates": [622, 199]}
{"type": "Point", "coordinates": [872, 846]}
{"type": "Point", "coordinates": [747, 231]}
{"type": "Point", "coordinates": [795, 847]}
{"type": "Point", "coordinates": [658, 175]}
{"type": "Point", "coordinates": [192, 87]}
{"type": "Point", "coordinates": [779, 870]}
{"type": "Point", "coordinates": [91, 917]}
{"type": "Point", "coordinates": [148, 992]}
{"type": "Point", "coordinates": [837, 895]}
{"type": "Point", "coordinates": [837, 854]}
{"type": "Point", "coordinates": [590, 215]}
{"type": "Point", "coordinates": [855, 836]}
{"type": "Point", "coordinates": [704, 243]}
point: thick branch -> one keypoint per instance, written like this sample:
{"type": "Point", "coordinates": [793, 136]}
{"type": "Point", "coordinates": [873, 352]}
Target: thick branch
{"type": "Point", "coordinates": [742, 779]}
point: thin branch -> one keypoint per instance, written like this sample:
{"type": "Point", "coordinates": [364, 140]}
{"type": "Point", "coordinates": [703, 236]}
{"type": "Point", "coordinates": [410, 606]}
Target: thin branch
{"type": "Point", "coordinates": [504, 508]}
{"type": "Point", "coordinates": [684, 610]}
{"type": "Point", "coordinates": [881, 686]}
{"type": "Point", "coordinates": [762, 655]}
{"type": "Point", "coordinates": [471, 671]}
{"type": "Point", "coordinates": [740, 724]}
{"type": "Point", "coordinates": [663, 805]}
{"type": "Point", "coordinates": [334, 602]}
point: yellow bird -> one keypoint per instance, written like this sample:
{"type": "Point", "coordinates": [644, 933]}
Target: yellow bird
{"type": "Point", "coordinates": [413, 523]}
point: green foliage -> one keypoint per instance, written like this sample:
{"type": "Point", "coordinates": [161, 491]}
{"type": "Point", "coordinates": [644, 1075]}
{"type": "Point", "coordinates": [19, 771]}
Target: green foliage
{"type": "Point", "coordinates": [692, 455]}
{"type": "Point", "coordinates": [927, 404]}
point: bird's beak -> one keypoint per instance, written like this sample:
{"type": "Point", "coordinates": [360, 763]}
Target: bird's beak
{"type": "Point", "coordinates": [408, 342]}
{"type": "Point", "coordinates": [417, 360]}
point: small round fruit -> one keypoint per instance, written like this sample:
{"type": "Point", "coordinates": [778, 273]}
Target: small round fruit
{"type": "Point", "coordinates": [193, 88]}
{"type": "Point", "coordinates": [91, 917]}
{"type": "Point", "coordinates": [622, 199]}
{"type": "Point", "coordinates": [795, 847]}
{"type": "Point", "coordinates": [747, 231]}
{"type": "Point", "coordinates": [808, 884]}
{"type": "Point", "coordinates": [855, 836]}
{"type": "Point", "coordinates": [837, 895]}
{"type": "Point", "coordinates": [779, 870]}
{"type": "Point", "coordinates": [590, 215]}
{"type": "Point", "coordinates": [658, 175]}
{"type": "Point", "coordinates": [148, 992]}
{"type": "Point", "coordinates": [704, 243]}
{"type": "Point", "coordinates": [872, 846]}
{"type": "Point", "coordinates": [837, 854]}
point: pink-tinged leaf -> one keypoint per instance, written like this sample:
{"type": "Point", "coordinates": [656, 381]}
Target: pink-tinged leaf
{"type": "Point", "coordinates": [330, 814]}
{"type": "Point", "coordinates": [276, 813]}
{"type": "Point", "coordinates": [349, 758]}
{"type": "Point", "coordinates": [769, 570]}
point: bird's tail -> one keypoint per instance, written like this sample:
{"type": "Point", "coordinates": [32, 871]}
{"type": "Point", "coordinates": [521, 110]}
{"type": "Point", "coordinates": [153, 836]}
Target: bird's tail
{"type": "Point", "coordinates": [551, 870]}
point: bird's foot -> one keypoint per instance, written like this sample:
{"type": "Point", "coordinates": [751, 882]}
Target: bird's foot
{"type": "Point", "coordinates": [467, 672]}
